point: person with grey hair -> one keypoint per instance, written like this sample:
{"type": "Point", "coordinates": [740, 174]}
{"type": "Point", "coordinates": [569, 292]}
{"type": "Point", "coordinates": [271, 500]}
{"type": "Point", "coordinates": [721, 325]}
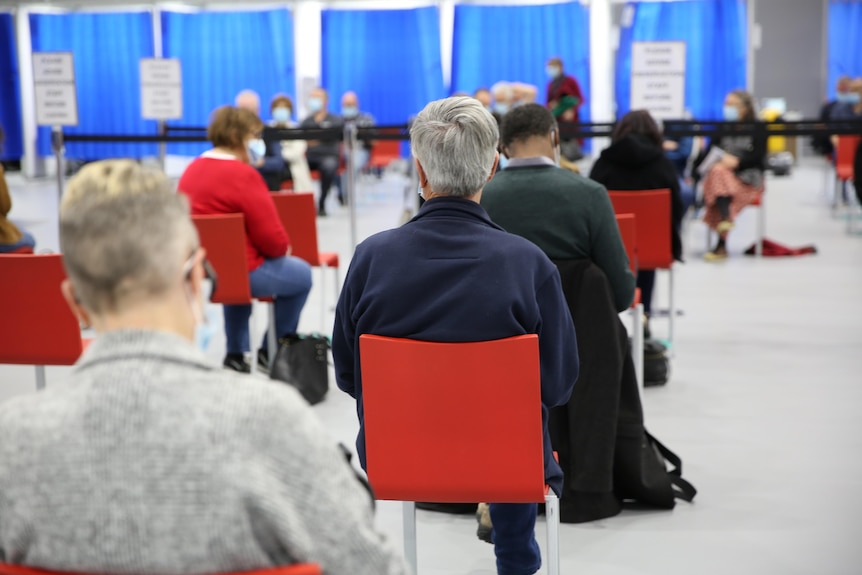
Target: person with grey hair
{"type": "Point", "coordinates": [473, 281]}
{"type": "Point", "coordinates": [152, 459]}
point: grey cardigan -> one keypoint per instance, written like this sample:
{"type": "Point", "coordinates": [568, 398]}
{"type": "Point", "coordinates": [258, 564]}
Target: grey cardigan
{"type": "Point", "coordinates": [153, 460]}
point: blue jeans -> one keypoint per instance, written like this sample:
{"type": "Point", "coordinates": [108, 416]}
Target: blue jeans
{"type": "Point", "coordinates": [25, 241]}
{"type": "Point", "coordinates": [514, 536]}
{"type": "Point", "coordinates": [289, 280]}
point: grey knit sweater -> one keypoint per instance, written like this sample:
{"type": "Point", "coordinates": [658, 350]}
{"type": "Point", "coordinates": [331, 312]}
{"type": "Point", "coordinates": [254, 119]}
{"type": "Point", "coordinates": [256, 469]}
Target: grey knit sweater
{"type": "Point", "coordinates": [153, 460]}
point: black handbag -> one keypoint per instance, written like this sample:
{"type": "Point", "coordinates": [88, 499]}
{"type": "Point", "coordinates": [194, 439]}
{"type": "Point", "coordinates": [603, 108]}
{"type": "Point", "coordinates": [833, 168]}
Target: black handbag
{"type": "Point", "coordinates": [301, 361]}
{"type": "Point", "coordinates": [656, 364]}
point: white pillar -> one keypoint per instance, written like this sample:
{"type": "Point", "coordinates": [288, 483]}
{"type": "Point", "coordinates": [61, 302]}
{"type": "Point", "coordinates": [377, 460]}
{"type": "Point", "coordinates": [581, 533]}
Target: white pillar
{"type": "Point", "coordinates": [601, 67]}
{"type": "Point", "coordinates": [752, 43]}
{"type": "Point", "coordinates": [446, 10]}
{"type": "Point", "coordinates": [307, 49]}
{"type": "Point", "coordinates": [31, 164]}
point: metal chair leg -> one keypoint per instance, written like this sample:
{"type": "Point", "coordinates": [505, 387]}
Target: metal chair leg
{"type": "Point", "coordinates": [672, 310]}
{"type": "Point", "coordinates": [40, 377]}
{"type": "Point", "coordinates": [761, 228]}
{"type": "Point", "coordinates": [409, 514]}
{"type": "Point", "coordinates": [552, 516]}
{"type": "Point", "coordinates": [638, 343]}
{"type": "Point", "coordinates": [323, 268]}
{"type": "Point", "coordinates": [272, 339]}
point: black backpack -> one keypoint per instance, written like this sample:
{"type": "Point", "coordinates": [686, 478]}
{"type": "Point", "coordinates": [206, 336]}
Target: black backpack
{"type": "Point", "coordinates": [641, 470]}
{"type": "Point", "coordinates": [656, 363]}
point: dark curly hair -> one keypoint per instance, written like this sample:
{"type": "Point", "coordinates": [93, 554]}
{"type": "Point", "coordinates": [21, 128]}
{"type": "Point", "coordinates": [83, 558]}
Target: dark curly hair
{"type": "Point", "coordinates": [637, 122]}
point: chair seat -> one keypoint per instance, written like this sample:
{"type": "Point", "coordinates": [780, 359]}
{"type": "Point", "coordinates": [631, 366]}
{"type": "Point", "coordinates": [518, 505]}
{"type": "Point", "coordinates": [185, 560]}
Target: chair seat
{"type": "Point", "coordinates": [329, 259]}
{"type": "Point", "coordinates": [844, 172]}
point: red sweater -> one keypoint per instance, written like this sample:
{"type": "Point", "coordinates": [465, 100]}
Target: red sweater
{"type": "Point", "coordinates": [227, 186]}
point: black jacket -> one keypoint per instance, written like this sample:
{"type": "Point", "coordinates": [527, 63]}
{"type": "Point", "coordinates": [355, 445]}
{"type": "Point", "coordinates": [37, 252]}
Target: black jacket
{"type": "Point", "coordinates": [635, 163]}
{"type": "Point", "coordinates": [755, 157]}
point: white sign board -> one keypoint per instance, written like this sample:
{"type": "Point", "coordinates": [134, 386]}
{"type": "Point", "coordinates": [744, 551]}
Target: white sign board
{"type": "Point", "coordinates": [161, 89]}
{"type": "Point", "coordinates": [658, 79]}
{"type": "Point", "coordinates": [54, 88]}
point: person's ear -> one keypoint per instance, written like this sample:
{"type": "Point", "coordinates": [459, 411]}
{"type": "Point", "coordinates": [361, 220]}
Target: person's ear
{"type": "Point", "coordinates": [74, 304]}
{"type": "Point", "coordinates": [494, 167]}
{"type": "Point", "coordinates": [555, 138]}
{"type": "Point", "coordinates": [197, 274]}
{"type": "Point", "coordinates": [423, 179]}
{"type": "Point", "coordinates": [505, 152]}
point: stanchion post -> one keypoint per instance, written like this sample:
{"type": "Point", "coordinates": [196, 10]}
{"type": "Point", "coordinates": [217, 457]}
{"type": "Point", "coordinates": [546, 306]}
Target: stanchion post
{"type": "Point", "coordinates": [349, 147]}
{"type": "Point", "coordinates": [58, 147]}
{"type": "Point", "coordinates": [163, 146]}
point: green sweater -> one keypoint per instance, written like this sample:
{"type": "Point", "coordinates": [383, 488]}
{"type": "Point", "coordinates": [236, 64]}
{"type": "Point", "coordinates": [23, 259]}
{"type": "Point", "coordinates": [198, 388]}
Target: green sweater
{"type": "Point", "coordinates": [566, 215]}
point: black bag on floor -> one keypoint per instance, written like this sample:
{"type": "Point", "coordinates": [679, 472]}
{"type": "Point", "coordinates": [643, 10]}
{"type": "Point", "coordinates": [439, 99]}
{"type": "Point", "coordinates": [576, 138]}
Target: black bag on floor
{"type": "Point", "coordinates": [656, 364]}
{"type": "Point", "coordinates": [301, 361]}
{"type": "Point", "coordinates": [641, 471]}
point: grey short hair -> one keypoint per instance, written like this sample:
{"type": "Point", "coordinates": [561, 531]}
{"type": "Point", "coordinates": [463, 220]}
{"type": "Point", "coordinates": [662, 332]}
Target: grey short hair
{"type": "Point", "coordinates": [124, 234]}
{"type": "Point", "coordinates": [455, 141]}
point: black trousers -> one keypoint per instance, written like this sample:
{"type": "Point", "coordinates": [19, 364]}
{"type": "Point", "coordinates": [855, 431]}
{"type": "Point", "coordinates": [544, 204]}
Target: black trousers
{"type": "Point", "coordinates": [326, 163]}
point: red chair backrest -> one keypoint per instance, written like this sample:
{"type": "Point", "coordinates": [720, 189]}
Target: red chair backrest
{"type": "Point", "coordinates": [651, 208]}
{"type": "Point", "coordinates": [299, 218]}
{"type": "Point", "coordinates": [296, 569]}
{"type": "Point", "coordinates": [38, 326]}
{"type": "Point", "coordinates": [628, 232]}
{"type": "Point", "coordinates": [844, 156]}
{"type": "Point", "coordinates": [223, 237]}
{"type": "Point", "coordinates": [384, 151]}
{"type": "Point", "coordinates": [438, 428]}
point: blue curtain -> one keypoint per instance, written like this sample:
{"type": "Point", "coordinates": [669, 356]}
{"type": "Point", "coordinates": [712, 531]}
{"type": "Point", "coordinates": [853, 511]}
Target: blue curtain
{"type": "Point", "coordinates": [716, 50]}
{"type": "Point", "coordinates": [390, 58]}
{"type": "Point", "coordinates": [513, 43]}
{"type": "Point", "coordinates": [845, 42]}
{"type": "Point", "coordinates": [106, 48]}
{"type": "Point", "coordinates": [10, 101]}
{"type": "Point", "coordinates": [223, 53]}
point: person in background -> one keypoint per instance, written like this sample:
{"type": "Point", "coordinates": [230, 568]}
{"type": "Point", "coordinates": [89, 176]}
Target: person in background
{"type": "Point", "coordinates": [477, 283]}
{"type": "Point", "coordinates": [351, 113]}
{"type": "Point", "coordinates": [292, 151]}
{"type": "Point", "coordinates": [567, 215]}
{"type": "Point", "coordinates": [851, 106]}
{"type": "Point", "coordinates": [823, 144]}
{"type": "Point", "coordinates": [221, 181]}
{"type": "Point", "coordinates": [564, 97]}
{"type": "Point", "coordinates": [151, 459]}
{"type": "Point", "coordinates": [508, 95]}
{"type": "Point", "coordinates": [635, 161]}
{"type": "Point", "coordinates": [484, 97]}
{"type": "Point", "coordinates": [323, 156]}
{"type": "Point", "coordinates": [11, 237]}
{"type": "Point", "coordinates": [265, 156]}
{"type": "Point", "coordinates": [678, 150]}
{"type": "Point", "coordinates": [736, 180]}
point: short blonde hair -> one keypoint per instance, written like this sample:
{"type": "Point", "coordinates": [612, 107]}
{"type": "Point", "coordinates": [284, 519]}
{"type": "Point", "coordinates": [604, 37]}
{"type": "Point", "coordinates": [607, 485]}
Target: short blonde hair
{"type": "Point", "coordinates": [230, 126]}
{"type": "Point", "coordinates": [124, 233]}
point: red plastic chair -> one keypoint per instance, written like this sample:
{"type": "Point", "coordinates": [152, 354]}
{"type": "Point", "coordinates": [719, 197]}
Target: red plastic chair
{"type": "Point", "coordinates": [844, 157]}
{"type": "Point", "coordinates": [384, 152]}
{"type": "Point", "coordinates": [223, 237]}
{"type": "Point", "coordinates": [296, 569]}
{"type": "Point", "coordinates": [437, 427]}
{"type": "Point", "coordinates": [299, 218]}
{"type": "Point", "coordinates": [652, 211]}
{"type": "Point", "coordinates": [628, 232]}
{"type": "Point", "coordinates": [38, 327]}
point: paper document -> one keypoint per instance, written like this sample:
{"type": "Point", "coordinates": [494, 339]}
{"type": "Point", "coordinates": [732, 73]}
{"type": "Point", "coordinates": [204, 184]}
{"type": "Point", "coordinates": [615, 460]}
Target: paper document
{"type": "Point", "coordinates": [712, 158]}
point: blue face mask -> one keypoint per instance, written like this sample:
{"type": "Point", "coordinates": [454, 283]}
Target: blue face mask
{"type": "Point", "coordinates": [349, 111]}
{"type": "Point", "coordinates": [731, 113]}
{"type": "Point", "coordinates": [501, 108]}
{"type": "Point", "coordinates": [552, 71]}
{"type": "Point", "coordinates": [852, 98]}
{"type": "Point", "coordinates": [256, 149]}
{"type": "Point", "coordinates": [315, 105]}
{"type": "Point", "coordinates": [281, 115]}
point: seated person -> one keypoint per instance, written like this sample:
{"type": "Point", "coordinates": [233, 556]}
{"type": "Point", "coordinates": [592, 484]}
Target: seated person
{"type": "Point", "coordinates": [678, 151]}
{"type": "Point", "coordinates": [635, 161]}
{"type": "Point", "coordinates": [11, 238]}
{"type": "Point", "coordinates": [221, 182]}
{"type": "Point", "coordinates": [484, 97]}
{"type": "Point", "coordinates": [736, 180]}
{"type": "Point", "coordinates": [351, 112]}
{"type": "Point", "coordinates": [567, 215]}
{"type": "Point", "coordinates": [292, 151]}
{"type": "Point", "coordinates": [323, 156]}
{"type": "Point", "coordinates": [264, 153]}
{"type": "Point", "coordinates": [477, 282]}
{"type": "Point", "coordinates": [151, 459]}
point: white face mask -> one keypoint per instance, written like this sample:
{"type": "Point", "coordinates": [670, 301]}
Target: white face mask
{"type": "Point", "coordinates": [204, 316]}
{"type": "Point", "coordinates": [256, 149]}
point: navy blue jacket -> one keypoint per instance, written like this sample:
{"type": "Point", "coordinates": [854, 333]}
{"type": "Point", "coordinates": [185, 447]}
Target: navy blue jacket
{"type": "Point", "coordinates": [452, 275]}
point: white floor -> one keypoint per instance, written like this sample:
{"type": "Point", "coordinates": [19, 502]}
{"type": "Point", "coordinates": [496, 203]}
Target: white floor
{"type": "Point", "coordinates": [763, 404]}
